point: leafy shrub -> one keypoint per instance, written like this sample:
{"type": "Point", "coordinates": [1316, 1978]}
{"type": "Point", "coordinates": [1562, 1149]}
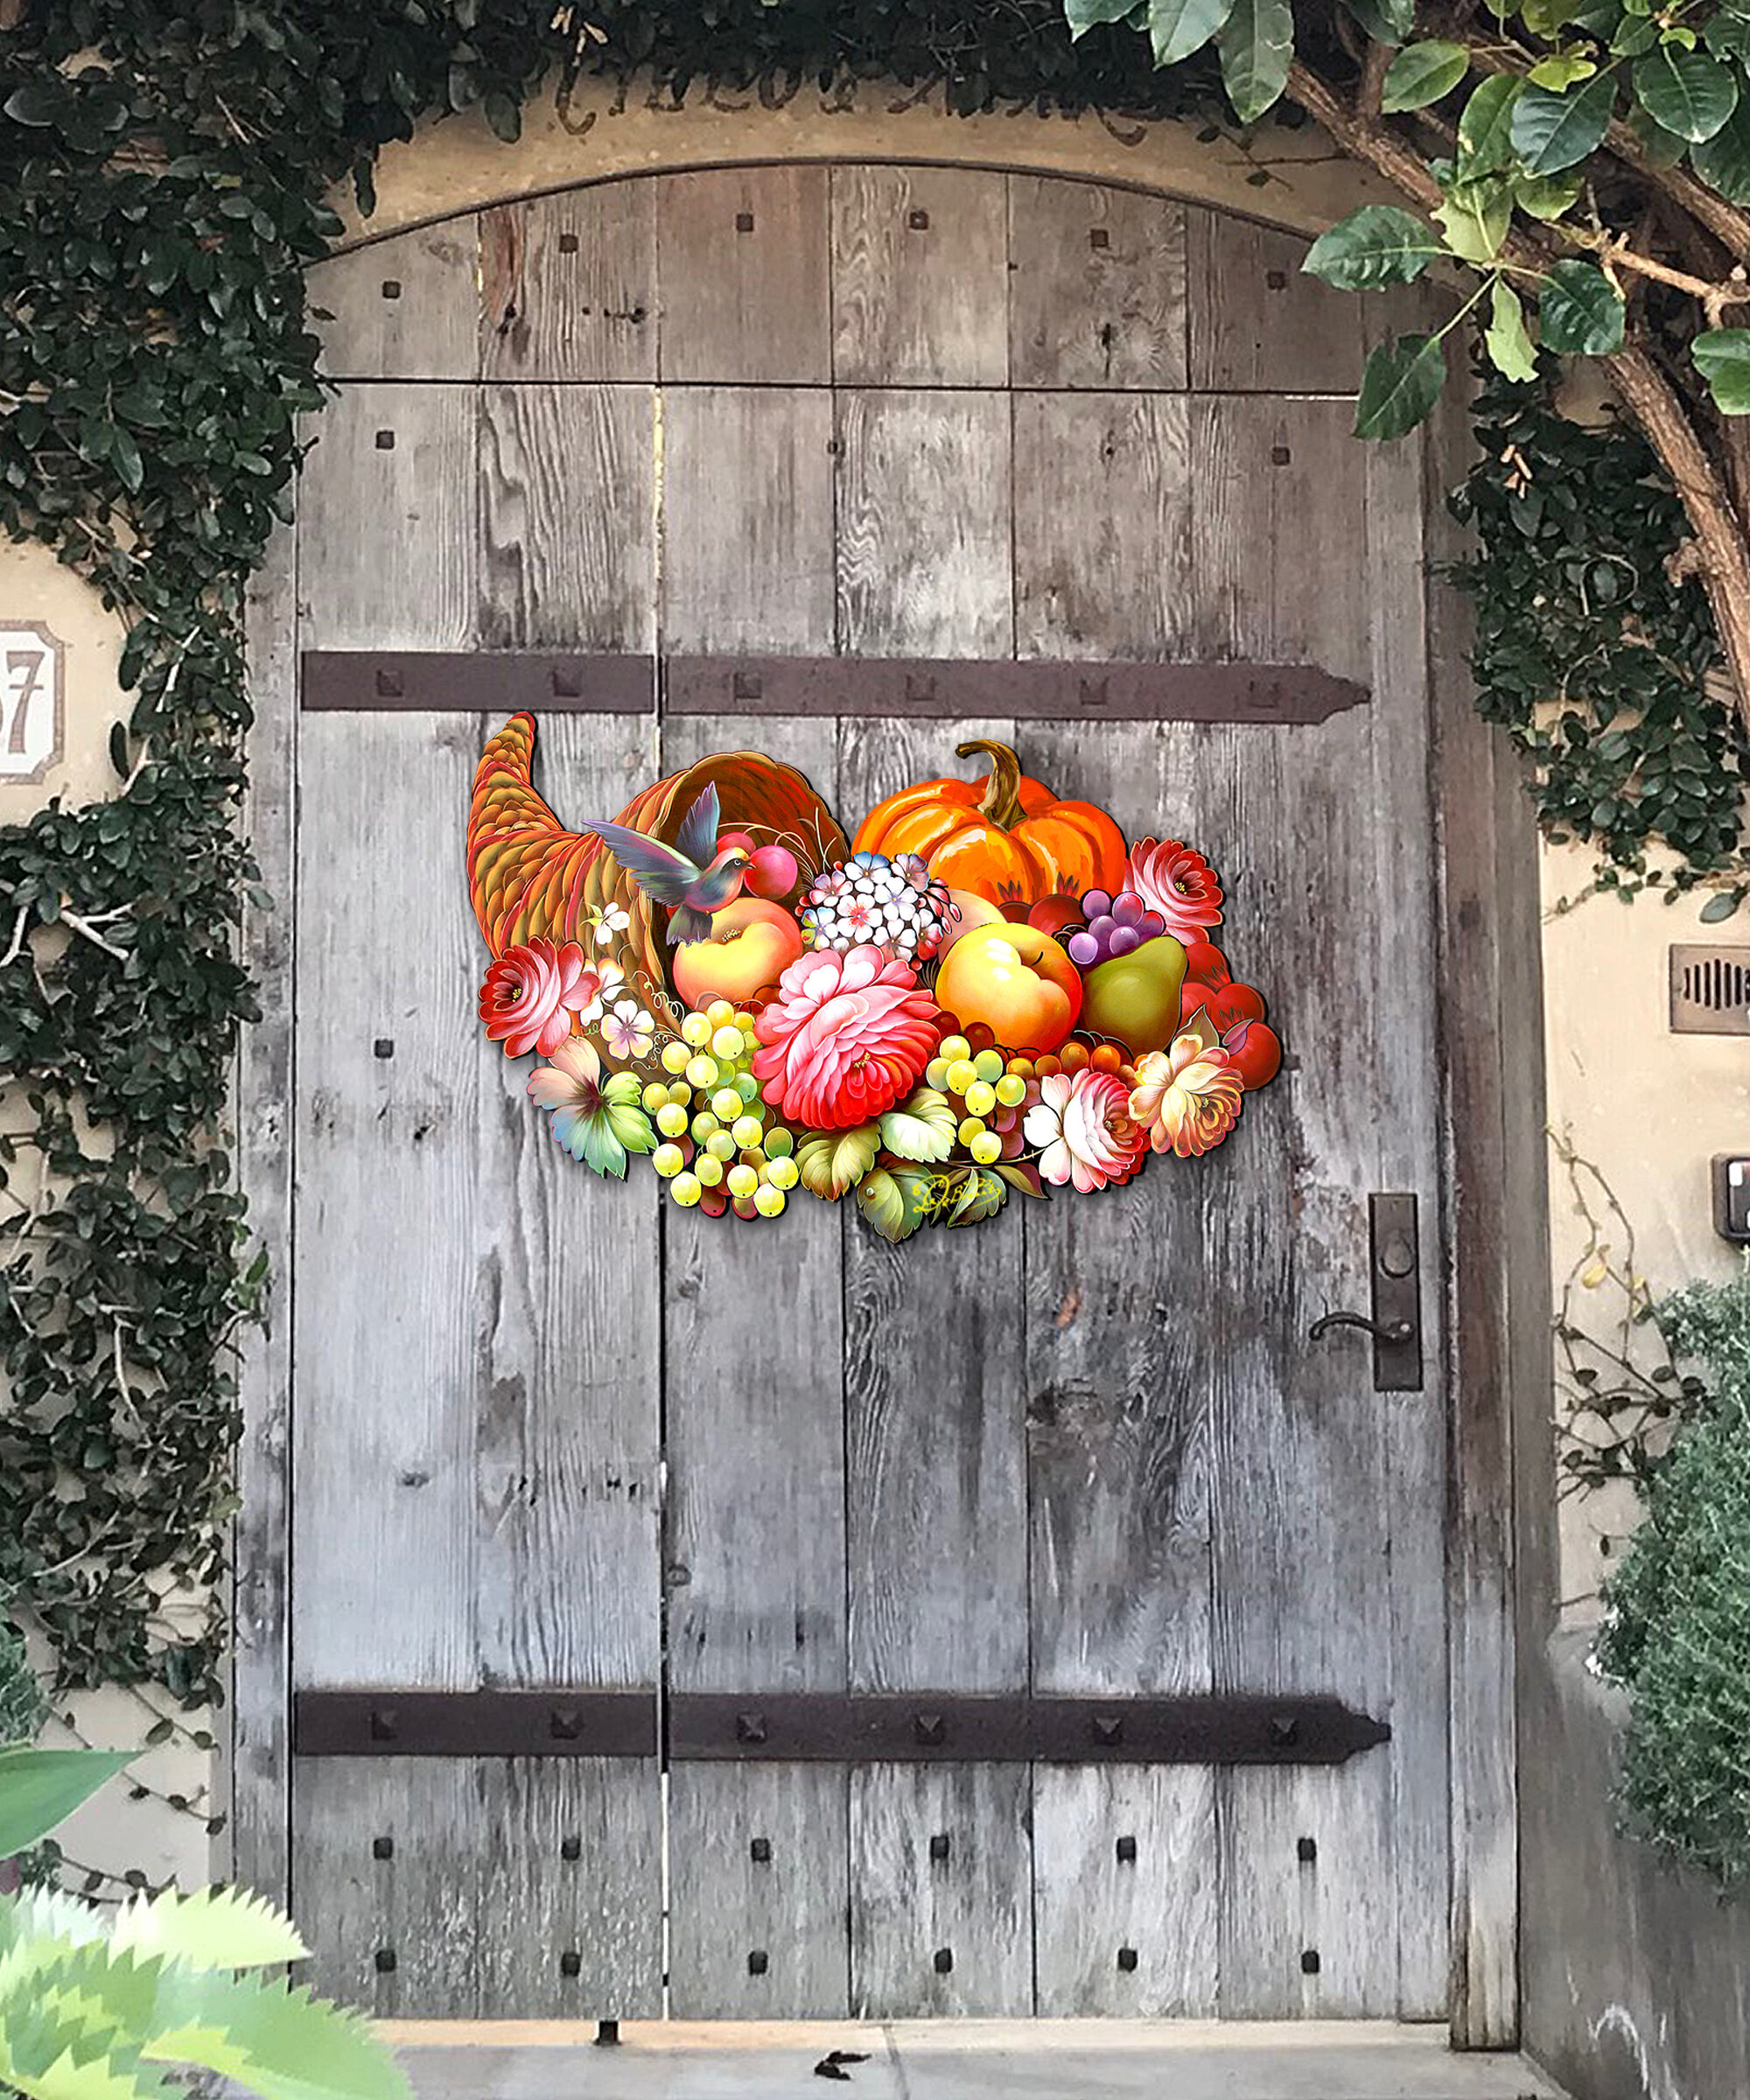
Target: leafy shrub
{"type": "Point", "coordinates": [1679, 1632]}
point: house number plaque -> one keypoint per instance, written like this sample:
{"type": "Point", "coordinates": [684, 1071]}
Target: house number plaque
{"type": "Point", "coordinates": [30, 700]}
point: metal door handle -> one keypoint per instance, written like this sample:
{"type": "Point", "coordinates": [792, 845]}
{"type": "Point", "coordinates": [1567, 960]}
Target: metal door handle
{"type": "Point", "coordinates": [1390, 1330]}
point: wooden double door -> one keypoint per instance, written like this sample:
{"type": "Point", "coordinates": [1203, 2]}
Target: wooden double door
{"type": "Point", "coordinates": [554, 1432]}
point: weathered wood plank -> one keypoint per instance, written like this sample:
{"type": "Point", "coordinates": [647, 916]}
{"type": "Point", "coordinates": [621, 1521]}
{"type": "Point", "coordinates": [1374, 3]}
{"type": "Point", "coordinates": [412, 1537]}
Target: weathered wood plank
{"type": "Point", "coordinates": [935, 1497]}
{"type": "Point", "coordinates": [260, 1659]}
{"type": "Point", "coordinates": [1117, 1347]}
{"type": "Point", "coordinates": [755, 1553]}
{"type": "Point", "coordinates": [1257, 323]}
{"type": "Point", "coordinates": [1484, 996]}
{"type": "Point", "coordinates": [936, 1933]}
{"type": "Point", "coordinates": [924, 524]}
{"type": "Point", "coordinates": [391, 1067]}
{"type": "Point", "coordinates": [567, 530]}
{"type": "Point", "coordinates": [919, 276]}
{"type": "Point", "coordinates": [402, 309]}
{"type": "Point", "coordinates": [745, 285]}
{"type": "Point", "coordinates": [1103, 525]}
{"type": "Point", "coordinates": [386, 535]}
{"type": "Point", "coordinates": [386, 1876]}
{"type": "Point", "coordinates": [747, 562]}
{"type": "Point", "coordinates": [568, 286]}
{"type": "Point", "coordinates": [1097, 286]}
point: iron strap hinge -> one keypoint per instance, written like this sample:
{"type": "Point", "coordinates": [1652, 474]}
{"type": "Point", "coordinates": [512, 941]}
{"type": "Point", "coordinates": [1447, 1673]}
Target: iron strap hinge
{"type": "Point", "coordinates": [834, 1728]}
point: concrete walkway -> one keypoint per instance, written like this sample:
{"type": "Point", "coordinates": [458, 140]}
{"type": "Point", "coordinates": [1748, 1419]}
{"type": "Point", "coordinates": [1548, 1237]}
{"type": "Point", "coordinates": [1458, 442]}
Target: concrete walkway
{"type": "Point", "coordinates": [963, 2059]}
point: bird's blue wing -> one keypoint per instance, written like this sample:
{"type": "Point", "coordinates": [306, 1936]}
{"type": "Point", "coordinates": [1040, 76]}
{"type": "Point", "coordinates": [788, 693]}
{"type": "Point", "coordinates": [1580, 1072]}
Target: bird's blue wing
{"type": "Point", "coordinates": [696, 838]}
{"type": "Point", "coordinates": [659, 870]}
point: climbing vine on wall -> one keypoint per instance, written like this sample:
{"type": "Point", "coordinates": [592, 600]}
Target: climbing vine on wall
{"type": "Point", "coordinates": [164, 172]}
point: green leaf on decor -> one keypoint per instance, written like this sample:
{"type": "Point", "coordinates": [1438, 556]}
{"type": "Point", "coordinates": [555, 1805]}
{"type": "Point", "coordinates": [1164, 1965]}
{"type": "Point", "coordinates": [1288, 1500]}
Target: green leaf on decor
{"type": "Point", "coordinates": [827, 1166]}
{"type": "Point", "coordinates": [1422, 74]}
{"type": "Point", "coordinates": [1379, 244]}
{"type": "Point", "coordinates": [984, 1196]}
{"type": "Point", "coordinates": [922, 1128]}
{"type": "Point", "coordinates": [1687, 92]}
{"type": "Point", "coordinates": [1724, 160]}
{"type": "Point", "coordinates": [1486, 127]}
{"type": "Point", "coordinates": [1400, 384]}
{"type": "Point", "coordinates": [1722, 356]}
{"type": "Point", "coordinates": [1506, 339]}
{"type": "Point", "coordinates": [1551, 131]}
{"type": "Point", "coordinates": [893, 1200]}
{"type": "Point", "coordinates": [1255, 44]}
{"type": "Point", "coordinates": [1579, 309]}
{"type": "Point", "coordinates": [39, 1788]}
{"type": "Point", "coordinates": [1179, 27]}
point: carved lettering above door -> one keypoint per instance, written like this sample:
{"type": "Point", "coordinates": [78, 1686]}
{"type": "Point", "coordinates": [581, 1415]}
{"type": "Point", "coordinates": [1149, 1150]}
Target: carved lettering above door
{"type": "Point", "coordinates": [987, 990]}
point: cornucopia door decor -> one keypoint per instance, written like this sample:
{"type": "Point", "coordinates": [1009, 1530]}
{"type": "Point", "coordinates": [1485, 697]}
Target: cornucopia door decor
{"type": "Point", "coordinates": [914, 648]}
{"type": "Point", "coordinates": [987, 990]}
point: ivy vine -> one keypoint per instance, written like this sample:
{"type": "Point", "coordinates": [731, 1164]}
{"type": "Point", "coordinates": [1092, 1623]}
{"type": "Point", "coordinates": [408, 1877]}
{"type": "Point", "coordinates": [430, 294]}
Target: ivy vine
{"type": "Point", "coordinates": [164, 167]}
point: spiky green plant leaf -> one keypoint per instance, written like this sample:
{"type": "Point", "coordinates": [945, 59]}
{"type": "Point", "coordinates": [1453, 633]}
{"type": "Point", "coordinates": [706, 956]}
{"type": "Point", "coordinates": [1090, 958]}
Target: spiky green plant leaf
{"type": "Point", "coordinates": [283, 2045]}
{"type": "Point", "coordinates": [209, 1929]}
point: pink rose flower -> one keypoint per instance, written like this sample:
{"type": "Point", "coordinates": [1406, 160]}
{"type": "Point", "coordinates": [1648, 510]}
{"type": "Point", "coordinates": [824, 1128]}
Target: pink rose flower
{"type": "Point", "coordinates": [532, 993]}
{"type": "Point", "coordinates": [1082, 1124]}
{"type": "Point", "coordinates": [1186, 1098]}
{"type": "Point", "coordinates": [848, 1036]}
{"type": "Point", "coordinates": [1177, 883]}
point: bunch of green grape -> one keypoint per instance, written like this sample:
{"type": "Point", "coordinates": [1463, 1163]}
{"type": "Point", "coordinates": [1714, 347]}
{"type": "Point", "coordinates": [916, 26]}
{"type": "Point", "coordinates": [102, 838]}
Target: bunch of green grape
{"type": "Point", "coordinates": [993, 1098]}
{"type": "Point", "coordinates": [722, 1147]}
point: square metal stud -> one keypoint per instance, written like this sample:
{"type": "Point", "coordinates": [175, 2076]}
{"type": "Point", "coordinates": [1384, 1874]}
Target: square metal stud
{"type": "Point", "coordinates": [571, 1848]}
{"type": "Point", "coordinates": [918, 220]}
{"type": "Point", "coordinates": [1309, 1960]}
{"type": "Point", "coordinates": [939, 1846]}
{"type": "Point", "coordinates": [1127, 1959]}
{"type": "Point", "coordinates": [385, 441]}
{"type": "Point", "coordinates": [391, 288]}
{"type": "Point", "coordinates": [942, 1960]}
{"type": "Point", "coordinates": [757, 1961]}
{"type": "Point", "coordinates": [1127, 1851]}
{"type": "Point", "coordinates": [571, 1963]}
{"type": "Point", "coordinates": [384, 1046]}
{"type": "Point", "coordinates": [1099, 238]}
{"type": "Point", "coordinates": [568, 244]}
{"type": "Point", "coordinates": [382, 1848]}
{"type": "Point", "coordinates": [385, 1961]}
{"type": "Point", "coordinates": [744, 222]}
{"type": "Point", "coordinates": [1306, 1849]}
{"type": "Point", "coordinates": [760, 1852]}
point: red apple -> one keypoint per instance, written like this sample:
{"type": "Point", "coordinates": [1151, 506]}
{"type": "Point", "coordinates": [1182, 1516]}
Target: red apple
{"type": "Point", "coordinates": [1206, 965]}
{"type": "Point", "coordinates": [1255, 1053]}
{"type": "Point", "coordinates": [1057, 915]}
{"type": "Point", "coordinates": [751, 945]}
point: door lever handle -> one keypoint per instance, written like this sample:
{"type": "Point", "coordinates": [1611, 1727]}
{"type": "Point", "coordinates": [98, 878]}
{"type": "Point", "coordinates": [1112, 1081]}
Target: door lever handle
{"type": "Point", "coordinates": [1389, 1330]}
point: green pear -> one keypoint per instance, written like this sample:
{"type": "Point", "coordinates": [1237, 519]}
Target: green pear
{"type": "Point", "coordinates": [1134, 998]}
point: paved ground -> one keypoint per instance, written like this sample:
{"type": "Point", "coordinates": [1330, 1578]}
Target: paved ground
{"type": "Point", "coordinates": [970, 2060]}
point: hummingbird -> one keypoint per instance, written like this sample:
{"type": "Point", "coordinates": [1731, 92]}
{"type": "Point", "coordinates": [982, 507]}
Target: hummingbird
{"type": "Point", "coordinates": [701, 872]}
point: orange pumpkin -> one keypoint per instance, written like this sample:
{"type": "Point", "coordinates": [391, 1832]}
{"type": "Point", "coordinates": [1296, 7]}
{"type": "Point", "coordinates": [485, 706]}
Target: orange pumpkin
{"type": "Point", "coordinates": [1007, 837]}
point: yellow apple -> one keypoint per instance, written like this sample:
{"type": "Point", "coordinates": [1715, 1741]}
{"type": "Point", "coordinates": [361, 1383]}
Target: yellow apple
{"type": "Point", "coordinates": [750, 946]}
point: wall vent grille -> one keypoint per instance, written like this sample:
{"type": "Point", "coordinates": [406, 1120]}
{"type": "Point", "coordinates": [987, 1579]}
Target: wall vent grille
{"type": "Point", "coordinates": [1710, 990]}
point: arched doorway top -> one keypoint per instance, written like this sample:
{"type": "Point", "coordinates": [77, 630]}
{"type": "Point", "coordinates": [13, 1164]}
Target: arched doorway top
{"type": "Point", "coordinates": [1291, 178]}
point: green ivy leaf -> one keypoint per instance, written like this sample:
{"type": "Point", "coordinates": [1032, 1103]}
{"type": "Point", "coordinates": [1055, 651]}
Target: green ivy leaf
{"type": "Point", "coordinates": [1179, 27]}
{"type": "Point", "coordinates": [1377, 245]}
{"type": "Point", "coordinates": [1476, 216]}
{"type": "Point", "coordinates": [1422, 74]}
{"type": "Point", "coordinates": [1720, 906]}
{"type": "Point", "coordinates": [828, 1164]}
{"type": "Point", "coordinates": [1687, 92]}
{"type": "Point", "coordinates": [1722, 356]}
{"type": "Point", "coordinates": [1257, 45]}
{"type": "Point", "coordinates": [1506, 339]}
{"type": "Point", "coordinates": [1579, 309]}
{"type": "Point", "coordinates": [1723, 162]}
{"type": "Point", "coordinates": [1551, 132]}
{"type": "Point", "coordinates": [1486, 129]}
{"type": "Point", "coordinates": [503, 116]}
{"type": "Point", "coordinates": [1400, 384]}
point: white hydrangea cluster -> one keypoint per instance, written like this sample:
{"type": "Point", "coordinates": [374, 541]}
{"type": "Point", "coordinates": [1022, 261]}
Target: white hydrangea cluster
{"type": "Point", "coordinates": [871, 901]}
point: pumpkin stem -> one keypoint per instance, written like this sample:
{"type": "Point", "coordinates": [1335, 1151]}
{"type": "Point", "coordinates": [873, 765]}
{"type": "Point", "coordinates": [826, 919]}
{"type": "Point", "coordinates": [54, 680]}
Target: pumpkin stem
{"type": "Point", "coordinates": [1001, 800]}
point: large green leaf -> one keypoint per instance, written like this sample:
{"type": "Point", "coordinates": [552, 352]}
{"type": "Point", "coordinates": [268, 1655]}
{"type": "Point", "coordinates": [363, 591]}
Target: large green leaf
{"type": "Point", "coordinates": [1385, 21]}
{"type": "Point", "coordinates": [1400, 384]}
{"type": "Point", "coordinates": [1506, 338]}
{"type": "Point", "coordinates": [39, 1788]}
{"type": "Point", "coordinates": [1082, 15]}
{"type": "Point", "coordinates": [1485, 128]}
{"type": "Point", "coordinates": [1551, 131]}
{"type": "Point", "coordinates": [1722, 356]}
{"type": "Point", "coordinates": [827, 1166]}
{"type": "Point", "coordinates": [892, 1199]}
{"type": "Point", "coordinates": [1377, 245]}
{"type": "Point", "coordinates": [1688, 92]}
{"type": "Point", "coordinates": [209, 1929]}
{"type": "Point", "coordinates": [921, 1128]}
{"type": "Point", "coordinates": [1581, 310]}
{"type": "Point", "coordinates": [1257, 43]}
{"type": "Point", "coordinates": [1179, 27]}
{"type": "Point", "coordinates": [1723, 161]}
{"type": "Point", "coordinates": [1476, 216]}
{"type": "Point", "coordinates": [283, 2045]}
{"type": "Point", "coordinates": [1547, 196]}
{"type": "Point", "coordinates": [1421, 73]}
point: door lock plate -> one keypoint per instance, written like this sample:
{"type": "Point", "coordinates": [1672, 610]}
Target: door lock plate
{"type": "Point", "coordinates": [1395, 1267]}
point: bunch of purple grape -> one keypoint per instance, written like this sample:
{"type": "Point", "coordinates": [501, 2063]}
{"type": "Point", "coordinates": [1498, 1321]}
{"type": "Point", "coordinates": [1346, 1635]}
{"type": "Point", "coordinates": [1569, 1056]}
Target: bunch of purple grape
{"type": "Point", "coordinates": [1116, 926]}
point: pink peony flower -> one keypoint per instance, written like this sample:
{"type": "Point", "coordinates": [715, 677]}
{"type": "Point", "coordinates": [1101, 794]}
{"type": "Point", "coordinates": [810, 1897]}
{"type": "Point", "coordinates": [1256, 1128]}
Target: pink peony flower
{"type": "Point", "coordinates": [1186, 1098]}
{"type": "Point", "coordinates": [1083, 1125]}
{"type": "Point", "coordinates": [1177, 883]}
{"type": "Point", "coordinates": [531, 994]}
{"type": "Point", "coordinates": [848, 1036]}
